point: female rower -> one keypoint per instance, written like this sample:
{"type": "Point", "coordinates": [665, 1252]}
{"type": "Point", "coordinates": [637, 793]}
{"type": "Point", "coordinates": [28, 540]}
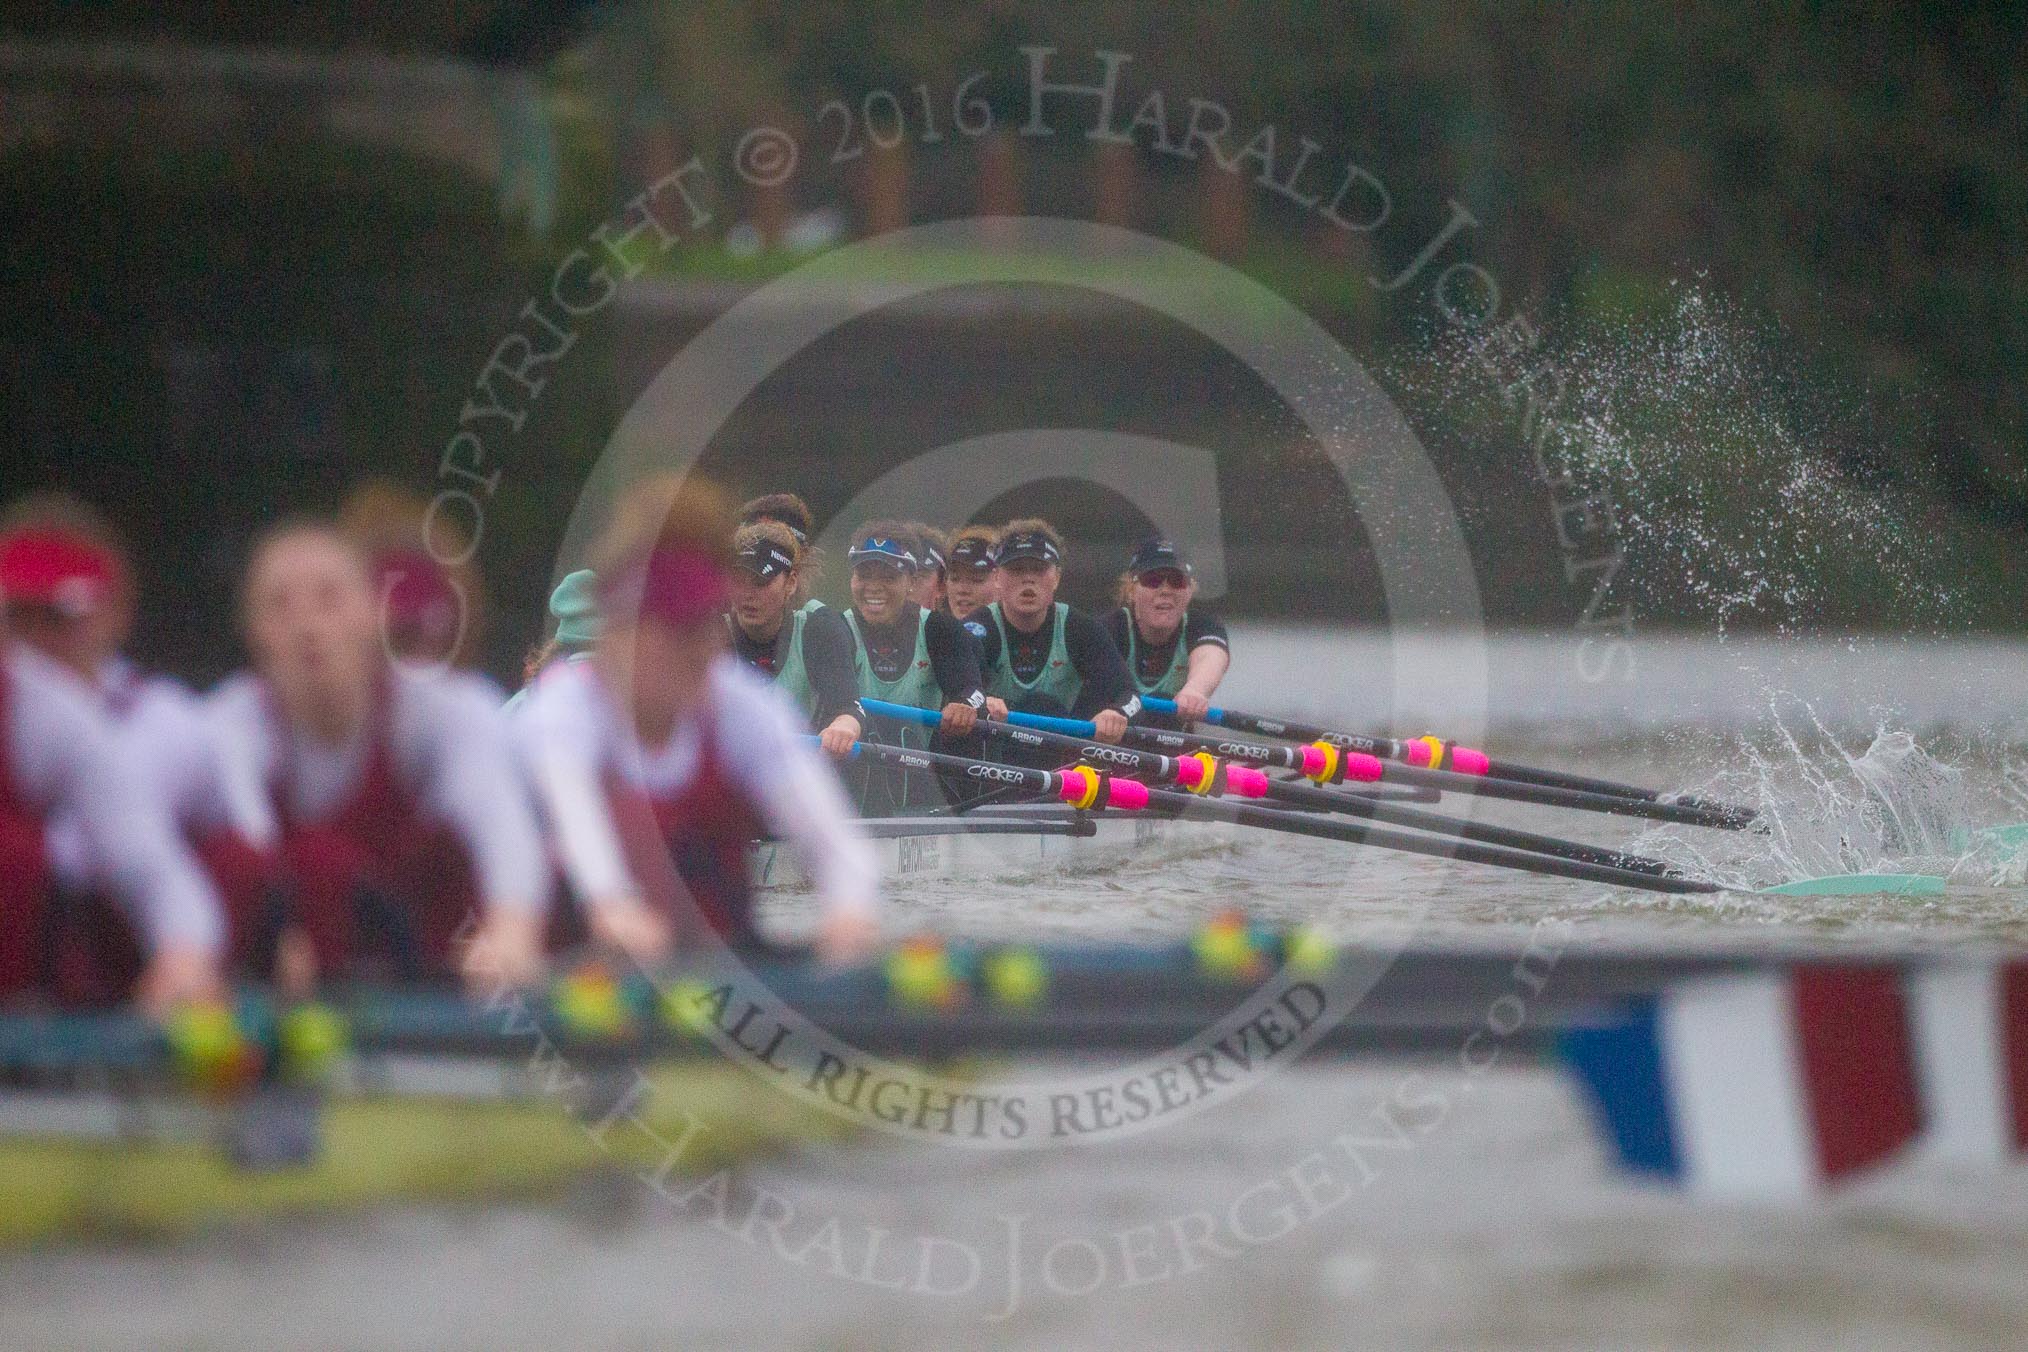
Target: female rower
{"type": "Point", "coordinates": [574, 606]}
{"type": "Point", "coordinates": [69, 594]}
{"type": "Point", "coordinates": [391, 792]}
{"type": "Point", "coordinates": [1172, 648]}
{"type": "Point", "coordinates": [903, 652]}
{"type": "Point", "coordinates": [929, 574]}
{"type": "Point", "coordinates": [1041, 656]}
{"type": "Point", "coordinates": [807, 652]}
{"type": "Point", "coordinates": [61, 760]}
{"type": "Point", "coordinates": [659, 761]}
{"type": "Point", "coordinates": [793, 512]}
{"type": "Point", "coordinates": [971, 576]}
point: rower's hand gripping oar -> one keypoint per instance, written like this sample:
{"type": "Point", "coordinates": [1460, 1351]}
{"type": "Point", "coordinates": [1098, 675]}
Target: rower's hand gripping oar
{"type": "Point", "coordinates": [1198, 772]}
{"type": "Point", "coordinates": [1090, 788]}
{"type": "Point", "coordinates": [1434, 753]}
{"type": "Point", "coordinates": [1203, 774]}
{"type": "Point", "coordinates": [1083, 787]}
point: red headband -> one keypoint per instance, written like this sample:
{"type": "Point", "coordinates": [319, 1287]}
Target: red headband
{"type": "Point", "coordinates": [420, 601]}
{"type": "Point", "coordinates": [681, 587]}
{"type": "Point", "coordinates": [68, 573]}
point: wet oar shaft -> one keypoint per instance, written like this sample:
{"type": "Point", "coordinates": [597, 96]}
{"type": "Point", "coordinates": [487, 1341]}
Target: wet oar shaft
{"type": "Point", "coordinates": [1436, 754]}
{"type": "Point", "coordinates": [1085, 787]}
{"type": "Point", "coordinates": [1192, 773]}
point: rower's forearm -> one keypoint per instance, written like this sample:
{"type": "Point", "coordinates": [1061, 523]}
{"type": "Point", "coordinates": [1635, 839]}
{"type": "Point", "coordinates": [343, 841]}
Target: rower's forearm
{"type": "Point", "coordinates": [1206, 668]}
{"type": "Point", "coordinates": [587, 843]}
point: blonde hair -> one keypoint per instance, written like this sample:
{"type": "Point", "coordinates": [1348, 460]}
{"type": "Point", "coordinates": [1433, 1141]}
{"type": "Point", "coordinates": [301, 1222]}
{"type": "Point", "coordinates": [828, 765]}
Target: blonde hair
{"type": "Point", "coordinates": [988, 535]}
{"type": "Point", "coordinates": [1035, 525]}
{"type": "Point", "coordinates": [539, 657]}
{"type": "Point", "coordinates": [666, 511]}
{"type": "Point", "coordinates": [786, 508]}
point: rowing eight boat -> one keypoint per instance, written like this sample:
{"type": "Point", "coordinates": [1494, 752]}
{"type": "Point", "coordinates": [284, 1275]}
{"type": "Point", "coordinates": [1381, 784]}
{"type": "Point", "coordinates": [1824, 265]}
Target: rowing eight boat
{"type": "Point", "coordinates": [94, 1165]}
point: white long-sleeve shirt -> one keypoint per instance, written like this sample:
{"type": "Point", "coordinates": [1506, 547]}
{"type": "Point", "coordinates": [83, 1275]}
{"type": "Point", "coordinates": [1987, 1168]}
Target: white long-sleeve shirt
{"type": "Point", "coordinates": [68, 763]}
{"type": "Point", "coordinates": [163, 734]}
{"type": "Point", "coordinates": [450, 749]}
{"type": "Point", "coordinates": [573, 736]}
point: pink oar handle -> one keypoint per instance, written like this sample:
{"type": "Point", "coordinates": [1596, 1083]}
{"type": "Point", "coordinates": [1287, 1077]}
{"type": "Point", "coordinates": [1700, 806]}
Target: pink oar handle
{"type": "Point", "coordinates": [1364, 768]}
{"type": "Point", "coordinates": [1082, 787]}
{"type": "Point", "coordinates": [1433, 753]}
{"type": "Point", "coordinates": [1201, 772]}
{"type": "Point", "coordinates": [1328, 764]}
{"type": "Point", "coordinates": [1245, 782]}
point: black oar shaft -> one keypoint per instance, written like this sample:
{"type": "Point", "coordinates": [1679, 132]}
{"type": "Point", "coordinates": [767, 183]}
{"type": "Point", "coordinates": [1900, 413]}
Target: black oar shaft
{"type": "Point", "coordinates": [1558, 779]}
{"type": "Point", "coordinates": [1727, 815]}
{"type": "Point", "coordinates": [1292, 823]}
{"type": "Point", "coordinates": [1448, 781]}
{"type": "Point", "coordinates": [1129, 760]}
{"type": "Point", "coordinates": [1304, 795]}
{"type": "Point", "coordinates": [1354, 833]}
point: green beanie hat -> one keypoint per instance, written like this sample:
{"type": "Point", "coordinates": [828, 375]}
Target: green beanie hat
{"type": "Point", "coordinates": [575, 604]}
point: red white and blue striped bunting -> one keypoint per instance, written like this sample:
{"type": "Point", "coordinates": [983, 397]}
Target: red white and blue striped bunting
{"type": "Point", "coordinates": [1761, 1086]}
{"type": "Point", "coordinates": [1970, 1024]}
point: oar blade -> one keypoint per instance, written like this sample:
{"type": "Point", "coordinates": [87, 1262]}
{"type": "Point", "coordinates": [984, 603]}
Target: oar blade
{"type": "Point", "coordinates": [1861, 885]}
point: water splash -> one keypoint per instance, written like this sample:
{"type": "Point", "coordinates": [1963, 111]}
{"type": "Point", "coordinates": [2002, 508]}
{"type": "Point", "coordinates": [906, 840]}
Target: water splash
{"type": "Point", "coordinates": [1893, 807]}
{"type": "Point", "coordinates": [1738, 489]}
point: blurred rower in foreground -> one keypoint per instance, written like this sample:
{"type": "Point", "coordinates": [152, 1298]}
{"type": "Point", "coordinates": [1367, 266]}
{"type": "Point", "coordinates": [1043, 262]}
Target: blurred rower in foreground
{"type": "Point", "coordinates": [661, 760]}
{"type": "Point", "coordinates": [71, 591]}
{"type": "Point", "coordinates": [1041, 656]}
{"type": "Point", "coordinates": [93, 872]}
{"type": "Point", "coordinates": [971, 576]}
{"type": "Point", "coordinates": [806, 651]}
{"type": "Point", "coordinates": [390, 792]}
{"type": "Point", "coordinates": [1173, 648]}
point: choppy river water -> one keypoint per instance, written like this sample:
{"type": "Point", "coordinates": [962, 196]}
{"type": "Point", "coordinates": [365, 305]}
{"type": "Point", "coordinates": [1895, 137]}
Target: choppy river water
{"type": "Point", "coordinates": [1498, 1225]}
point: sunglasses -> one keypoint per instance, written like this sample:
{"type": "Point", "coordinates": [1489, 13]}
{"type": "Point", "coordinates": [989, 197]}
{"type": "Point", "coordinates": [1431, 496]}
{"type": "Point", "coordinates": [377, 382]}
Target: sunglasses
{"type": "Point", "coordinates": [1164, 577]}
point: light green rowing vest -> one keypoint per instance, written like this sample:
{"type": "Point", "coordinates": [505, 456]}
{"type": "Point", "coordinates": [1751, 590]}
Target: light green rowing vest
{"type": "Point", "coordinates": [1058, 678]}
{"type": "Point", "coordinates": [916, 685]}
{"type": "Point", "coordinates": [1179, 661]}
{"type": "Point", "coordinates": [793, 678]}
